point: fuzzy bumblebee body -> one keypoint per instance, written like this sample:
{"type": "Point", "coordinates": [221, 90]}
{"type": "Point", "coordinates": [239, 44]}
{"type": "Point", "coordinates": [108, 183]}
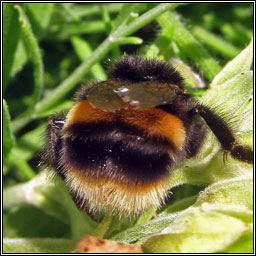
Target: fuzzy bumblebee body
{"type": "Point", "coordinates": [119, 143]}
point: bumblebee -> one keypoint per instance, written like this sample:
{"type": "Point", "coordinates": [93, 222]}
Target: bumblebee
{"type": "Point", "coordinates": [123, 137]}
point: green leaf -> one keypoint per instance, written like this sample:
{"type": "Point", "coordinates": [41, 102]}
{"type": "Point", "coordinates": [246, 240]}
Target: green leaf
{"type": "Point", "coordinates": [83, 51]}
{"type": "Point", "coordinates": [53, 198]}
{"type": "Point", "coordinates": [28, 221]}
{"type": "Point", "coordinates": [138, 232]}
{"type": "Point", "coordinates": [11, 35]}
{"type": "Point", "coordinates": [28, 144]}
{"type": "Point", "coordinates": [106, 18]}
{"type": "Point", "coordinates": [208, 167]}
{"type": "Point", "coordinates": [179, 205]}
{"type": "Point", "coordinates": [20, 58]}
{"type": "Point", "coordinates": [246, 133]}
{"type": "Point", "coordinates": [39, 24]}
{"type": "Point", "coordinates": [40, 14]}
{"type": "Point", "coordinates": [228, 192]}
{"type": "Point", "coordinates": [64, 105]}
{"type": "Point", "coordinates": [215, 201]}
{"type": "Point", "coordinates": [198, 230]}
{"type": "Point", "coordinates": [91, 10]}
{"type": "Point", "coordinates": [215, 42]}
{"type": "Point", "coordinates": [219, 218]}
{"type": "Point", "coordinates": [33, 46]}
{"type": "Point", "coordinates": [82, 28]}
{"type": "Point", "coordinates": [188, 44]}
{"type": "Point", "coordinates": [230, 96]}
{"type": "Point", "coordinates": [69, 11]}
{"type": "Point", "coordinates": [127, 40]}
{"type": "Point", "coordinates": [38, 245]}
{"type": "Point", "coordinates": [8, 138]}
{"type": "Point", "coordinates": [243, 245]}
{"type": "Point", "coordinates": [21, 164]}
{"type": "Point", "coordinates": [238, 65]}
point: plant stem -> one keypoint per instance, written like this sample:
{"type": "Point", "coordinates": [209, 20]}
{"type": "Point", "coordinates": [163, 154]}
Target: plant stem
{"type": "Point", "coordinates": [102, 228]}
{"type": "Point", "coordinates": [145, 19]}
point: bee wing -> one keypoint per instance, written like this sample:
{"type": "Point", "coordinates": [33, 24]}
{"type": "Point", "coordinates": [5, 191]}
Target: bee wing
{"type": "Point", "coordinates": [114, 95]}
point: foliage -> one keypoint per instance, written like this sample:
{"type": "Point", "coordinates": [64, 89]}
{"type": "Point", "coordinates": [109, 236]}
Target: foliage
{"type": "Point", "coordinates": [50, 49]}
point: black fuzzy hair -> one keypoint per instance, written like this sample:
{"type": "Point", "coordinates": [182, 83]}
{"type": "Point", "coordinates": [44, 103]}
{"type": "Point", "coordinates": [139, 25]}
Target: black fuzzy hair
{"type": "Point", "coordinates": [138, 69]}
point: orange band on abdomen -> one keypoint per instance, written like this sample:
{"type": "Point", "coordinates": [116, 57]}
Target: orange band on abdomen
{"type": "Point", "coordinates": [152, 122]}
